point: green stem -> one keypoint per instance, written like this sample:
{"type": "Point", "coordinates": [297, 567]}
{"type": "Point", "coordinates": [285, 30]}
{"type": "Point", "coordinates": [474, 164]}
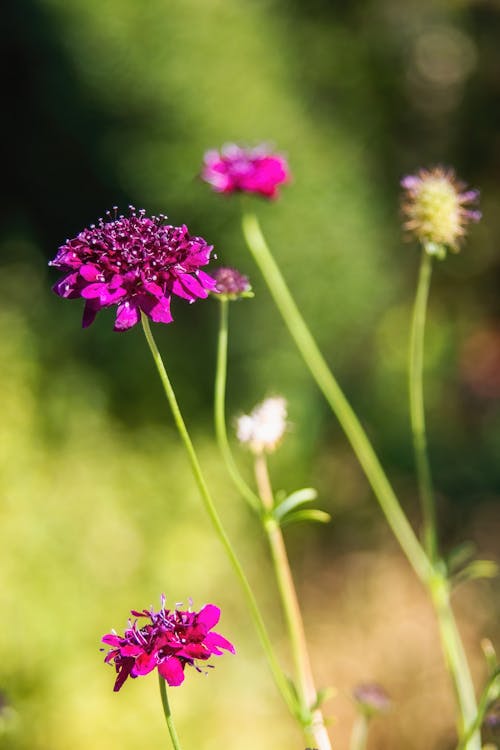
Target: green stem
{"type": "Point", "coordinates": [456, 663]}
{"type": "Point", "coordinates": [312, 719]}
{"type": "Point", "coordinates": [219, 410]}
{"type": "Point", "coordinates": [168, 714]}
{"type": "Point", "coordinates": [278, 675]}
{"type": "Point", "coordinates": [359, 733]}
{"type": "Point", "coordinates": [490, 693]}
{"type": "Point", "coordinates": [335, 397]}
{"type": "Point", "coordinates": [453, 650]}
{"type": "Point", "coordinates": [417, 412]}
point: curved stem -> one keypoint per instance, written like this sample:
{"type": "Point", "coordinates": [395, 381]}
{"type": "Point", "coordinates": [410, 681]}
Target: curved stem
{"type": "Point", "coordinates": [278, 675]}
{"type": "Point", "coordinates": [417, 412]}
{"type": "Point", "coordinates": [279, 678]}
{"type": "Point", "coordinates": [490, 693]}
{"type": "Point", "coordinates": [219, 410]}
{"type": "Point", "coordinates": [331, 390]}
{"type": "Point", "coordinates": [456, 660]}
{"type": "Point", "coordinates": [457, 665]}
{"type": "Point", "coordinates": [168, 714]}
{"type": "Point", "coordinates": [312, 719]}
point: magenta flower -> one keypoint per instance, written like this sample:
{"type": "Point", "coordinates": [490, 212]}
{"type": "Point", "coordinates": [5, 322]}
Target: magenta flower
{"type": "Point", "coordinates": [169, 640]}
{"type": "Point", "coordinates": [136, 263]}
{"type": "Point", "coordinates": [245, 170]}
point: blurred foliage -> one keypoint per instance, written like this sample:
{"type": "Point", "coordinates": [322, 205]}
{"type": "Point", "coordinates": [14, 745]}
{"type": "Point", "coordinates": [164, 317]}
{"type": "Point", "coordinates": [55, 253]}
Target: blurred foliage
{"type": "Point", "coordinates": [114, 102]}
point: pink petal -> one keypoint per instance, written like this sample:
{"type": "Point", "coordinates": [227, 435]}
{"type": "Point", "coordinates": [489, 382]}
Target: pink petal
{"type": "Point", "coordinates": [127, 315]}
{"type": "Point", "coordinates": [144, 664]}
{"type": "Point", "coordinates": [89, 312]}
{"type": "Point", "coordinates": [180, 291]}
{"type": "Point", "coordinates": [111, 639]}
{"type": "Point", "coordinates": [209, 616]}
{"type": "Point", "coordinates": [93, 291]}
{"type": "Point", "coordinates": [215, 641]}
{"type": "Point", "coordinates": [157, 310]}
{"type": "Point", "coordinates": [171, 670]}
{"type": "Point", "coordinates": [89, 272]}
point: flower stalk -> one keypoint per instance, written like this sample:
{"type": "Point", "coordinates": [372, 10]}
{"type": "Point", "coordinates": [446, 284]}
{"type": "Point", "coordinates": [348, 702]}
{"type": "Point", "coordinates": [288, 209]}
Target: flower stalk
{"type": "Point", "coordinates": [359, 734]}
{"type": "Point", "coordinates": [455, 658]}
{"type": "Point", "coordinates": [168, 714]}
{"type": "Point", "coordinates": [335, 397]}
{"type": "Point", "coordinates": [276, 671]}
{"type": "Point", "coordinates": [417, 412]}
{"type": "Point", "coordinates": [311, 718]}
{"type": "Point", "coordinates": [219, 409]}
{"type": "Point", "coordinates": [457, 665]}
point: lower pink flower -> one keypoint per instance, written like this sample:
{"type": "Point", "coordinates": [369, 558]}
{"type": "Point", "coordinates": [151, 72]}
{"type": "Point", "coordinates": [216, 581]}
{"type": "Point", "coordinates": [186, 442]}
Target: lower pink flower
{"type": "Point", "coordinates": [168, 640]}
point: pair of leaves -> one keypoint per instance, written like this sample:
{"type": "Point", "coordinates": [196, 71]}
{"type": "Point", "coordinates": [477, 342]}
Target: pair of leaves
{"type": "Point", "coordinates": [288, 509]}
{"type": "Point", "coordinates": [462, 567]}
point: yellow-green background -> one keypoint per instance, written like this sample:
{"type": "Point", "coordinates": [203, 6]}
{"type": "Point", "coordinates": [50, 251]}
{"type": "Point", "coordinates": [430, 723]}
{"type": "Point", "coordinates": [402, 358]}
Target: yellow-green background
{"type": "Point", "coordinates": [114, 102]}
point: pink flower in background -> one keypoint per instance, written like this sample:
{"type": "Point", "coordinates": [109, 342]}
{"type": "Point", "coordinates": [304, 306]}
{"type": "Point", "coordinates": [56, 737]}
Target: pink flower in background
{"type": "Point", "coordinates": [168, 640]}
{"type": "Point", "coordinates": [231, 284]}
{"type": "Point", "coordinates": [245, 170]}
{"type": "Point", "coordinates": [136, 263]}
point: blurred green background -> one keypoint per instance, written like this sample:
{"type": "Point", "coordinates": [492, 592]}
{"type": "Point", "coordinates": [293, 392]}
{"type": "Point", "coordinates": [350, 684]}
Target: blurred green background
{"type": "Point", "coordinates": [114, 102]}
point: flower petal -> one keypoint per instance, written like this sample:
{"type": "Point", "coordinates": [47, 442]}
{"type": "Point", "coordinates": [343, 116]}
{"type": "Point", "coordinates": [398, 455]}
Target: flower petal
{"type": "Point", "coordinates": [127, 315]}
{"type": "Point", "coordinates": [215, 641]}
{"type": "Point", "coordinates": [209, 616]}
{"type": "Point", "coordinates": [171, 670]}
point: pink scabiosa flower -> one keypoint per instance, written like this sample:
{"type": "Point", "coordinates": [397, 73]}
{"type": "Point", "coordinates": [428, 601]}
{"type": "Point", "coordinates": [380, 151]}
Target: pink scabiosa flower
{"type": "Point", "coordinates": [168, 640]}
{"type": "Point", "coordinates": [245, 170]}
{"type": "Point", "coordinates": [135, 262]}
{"type": "Point", "coordinates": [231, 284]}
{"type": "Point", "coordinates": [438, 207]}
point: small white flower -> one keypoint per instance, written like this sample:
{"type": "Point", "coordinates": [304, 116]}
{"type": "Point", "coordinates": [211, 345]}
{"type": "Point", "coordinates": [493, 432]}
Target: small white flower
{"type": "Point", "coordinates": [263, 428]}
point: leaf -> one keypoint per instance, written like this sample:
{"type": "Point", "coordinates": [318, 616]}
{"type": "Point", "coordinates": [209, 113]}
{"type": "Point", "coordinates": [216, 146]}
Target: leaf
{"type": "Point", "coordinates": [322, 695]}
{"type": "Point", "coordinates": [306, 495]}
{"type": "Point", "coordinates": [477, 569]}
{"type": "Point", "coordinates": [319, 516]}
{"type": "Point", "coordinates": [460, 555]}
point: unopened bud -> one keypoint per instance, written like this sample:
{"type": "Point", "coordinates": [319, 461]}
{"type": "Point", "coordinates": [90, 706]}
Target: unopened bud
{"type": "Point", "coordinates": [264, 427]}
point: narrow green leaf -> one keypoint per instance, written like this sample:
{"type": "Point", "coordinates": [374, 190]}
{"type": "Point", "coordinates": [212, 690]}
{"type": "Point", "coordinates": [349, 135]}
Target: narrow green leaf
{"type": "Point", "coordinates": [306, 495]}
{"type": "Point", "coordinates": [318, 516]}
{"type": "Point", "coordinates": [477, 569]}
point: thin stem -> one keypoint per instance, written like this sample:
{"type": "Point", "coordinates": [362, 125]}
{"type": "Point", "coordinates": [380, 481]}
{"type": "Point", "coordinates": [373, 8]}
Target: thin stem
{"type": "Point", "coordinates": [456, 663]}
{"type": "Point", "coordinates": [168, 714]}
{"type": "Point", "coordinates": [456, 660]}
{"type": "Point", "coordinates": [278, 675]}
{"type": "Point", "coordinates": [312, 718]}
{"type": "Point", "coordinates": [359, 735]}
{"type": "Point", "coordinates": [219, 410]}
{"type": "Point", "coordinates": [417, 412]}
{"type": "Point", "coordinates": [490, 692]}
{"type": "Point", "coordinates": [423, 566]}
{"type": "Point", "coordinates": [331, 390]}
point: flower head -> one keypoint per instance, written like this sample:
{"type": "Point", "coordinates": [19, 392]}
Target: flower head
{"type": "Point", "coordinates": [263, 428]}
{"type": "Point", "coordinates": [231, 284]}
{"type": "Point", "coordinates": [438, 207]}
{"type": "Point", "coordinates": [168, 640]}
{"type": "Point", "coordinates": [245, 170]}
{"type": "Point", "coordinates": [371, 698]}
{"type": "Point", "coordinates": [136, 263]}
